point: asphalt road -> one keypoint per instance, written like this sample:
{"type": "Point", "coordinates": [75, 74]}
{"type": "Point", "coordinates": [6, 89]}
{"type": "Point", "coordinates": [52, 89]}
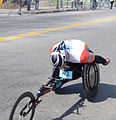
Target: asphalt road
{"type": "Point", "coordinates": [24, 62]}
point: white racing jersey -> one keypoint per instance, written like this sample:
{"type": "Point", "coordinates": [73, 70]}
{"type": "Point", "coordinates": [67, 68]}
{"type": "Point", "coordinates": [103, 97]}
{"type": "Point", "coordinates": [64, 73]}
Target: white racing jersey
{"type": "Point", "coordinates": [78, 51]}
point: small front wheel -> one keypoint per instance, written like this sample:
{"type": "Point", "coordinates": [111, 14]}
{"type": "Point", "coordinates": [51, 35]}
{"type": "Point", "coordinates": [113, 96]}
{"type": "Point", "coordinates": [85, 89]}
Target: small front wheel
{"type": "Point", "coordinates": [23, 108]}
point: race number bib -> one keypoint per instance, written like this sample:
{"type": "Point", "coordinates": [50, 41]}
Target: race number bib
{"type": "Point", "coordinates": [65, 74]}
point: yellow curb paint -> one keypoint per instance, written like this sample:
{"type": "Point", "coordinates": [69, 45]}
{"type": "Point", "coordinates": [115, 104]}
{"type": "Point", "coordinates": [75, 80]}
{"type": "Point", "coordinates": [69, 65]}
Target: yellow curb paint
{"type": "Point", "coordinates": [52, 29]}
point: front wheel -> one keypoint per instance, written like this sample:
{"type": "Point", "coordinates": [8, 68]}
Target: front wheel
{"type": "Point", "coordinates": [23, 108]}
{"type": "Point", "coordinates": [91, 78]}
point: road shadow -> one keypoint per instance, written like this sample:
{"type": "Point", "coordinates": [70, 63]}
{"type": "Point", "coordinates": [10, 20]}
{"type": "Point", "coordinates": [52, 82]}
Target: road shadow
{"type": "Point", "coordinates": [71, 89]}
{"type": "Point", "coordinates": [105, 91]}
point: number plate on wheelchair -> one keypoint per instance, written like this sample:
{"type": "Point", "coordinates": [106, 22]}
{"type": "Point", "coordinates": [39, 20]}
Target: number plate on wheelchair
{"type": "Point", "coordinates": [65, 74]}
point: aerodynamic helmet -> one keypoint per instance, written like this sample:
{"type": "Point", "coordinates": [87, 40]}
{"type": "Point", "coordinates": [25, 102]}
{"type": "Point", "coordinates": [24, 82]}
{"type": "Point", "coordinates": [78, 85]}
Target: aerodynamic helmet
{"type": "Point", "coordinates": [59, 55]}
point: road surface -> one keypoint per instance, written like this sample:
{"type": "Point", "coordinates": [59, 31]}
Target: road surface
{"type": "Point", "coordinates": [24, 62]}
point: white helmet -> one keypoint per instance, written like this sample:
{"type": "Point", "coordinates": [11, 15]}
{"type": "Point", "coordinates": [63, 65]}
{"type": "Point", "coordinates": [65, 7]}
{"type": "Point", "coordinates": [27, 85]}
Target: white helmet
{"type": "Point", "coordinates": [59, 55]}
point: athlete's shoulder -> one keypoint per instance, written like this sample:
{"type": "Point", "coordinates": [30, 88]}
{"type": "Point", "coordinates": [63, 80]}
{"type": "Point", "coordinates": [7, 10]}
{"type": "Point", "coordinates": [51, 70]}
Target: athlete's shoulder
{"type": "Point", "coordinates": [74, 40]}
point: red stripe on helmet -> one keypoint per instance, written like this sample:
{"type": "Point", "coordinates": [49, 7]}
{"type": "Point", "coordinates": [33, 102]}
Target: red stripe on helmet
{"type": "Point", "coordinates": [51, 49]}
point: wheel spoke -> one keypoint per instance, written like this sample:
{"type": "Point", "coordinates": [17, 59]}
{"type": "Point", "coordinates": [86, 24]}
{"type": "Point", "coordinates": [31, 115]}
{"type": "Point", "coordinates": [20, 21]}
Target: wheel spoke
{"type": "Point", "coordinates": [23, 109]}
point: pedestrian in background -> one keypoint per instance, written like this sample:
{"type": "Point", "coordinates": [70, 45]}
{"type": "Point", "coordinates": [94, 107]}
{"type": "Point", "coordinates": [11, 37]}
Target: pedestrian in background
{"type": "Point", "coordinates": [103, 2]}
{"type": "Point", "coordinates": [72, 3]}
{"type": "Point", "coordinates": [96, 3]}
{"type": "Point", "coordinates": [99, 3]}
{"type": "Point", "coordinates": [111, 3]}
{"type": "Point", "coordinates": [28, 5]}
{"type": "Point", "coordinates": [115, 3]}
{"type": "Point", "coordinates": [36, 4]}
{"type": "Point", "coordinates": [20, 6]}
{"type": "Point", "coordinates": [81, 3]}
{"type": "Point", "coordinates": [108, 3]}
{"type": "Point", "coordinates": [77, 5]}
{"type": "Point", "coordinates": [93, 4]}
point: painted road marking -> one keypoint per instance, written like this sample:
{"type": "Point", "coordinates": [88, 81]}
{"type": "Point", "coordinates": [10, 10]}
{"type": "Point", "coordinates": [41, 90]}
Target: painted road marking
{"type": "Point", "coordinates": [52, 29]}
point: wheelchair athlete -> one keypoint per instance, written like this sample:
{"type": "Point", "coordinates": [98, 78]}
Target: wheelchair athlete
{"type": "Point", "coordinates": [73, 51]}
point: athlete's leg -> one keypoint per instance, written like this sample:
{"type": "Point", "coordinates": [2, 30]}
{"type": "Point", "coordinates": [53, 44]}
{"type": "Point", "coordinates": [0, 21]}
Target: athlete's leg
{"type": "Point", "coordinates": [101, 60]}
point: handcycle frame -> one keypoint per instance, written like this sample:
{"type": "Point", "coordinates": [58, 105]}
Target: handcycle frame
{"type": "Point", "coordinates": [90, 84]}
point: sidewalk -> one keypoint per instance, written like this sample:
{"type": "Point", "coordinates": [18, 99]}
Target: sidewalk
{"type": "Point", "coordinates": [41, 10]}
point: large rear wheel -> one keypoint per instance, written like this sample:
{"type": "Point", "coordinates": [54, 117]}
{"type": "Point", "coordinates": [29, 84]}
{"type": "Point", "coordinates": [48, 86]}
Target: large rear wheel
{"type": "Point", "coordinates": [91, 78]}
{"type": "Point", "coordinates": [23, 108]}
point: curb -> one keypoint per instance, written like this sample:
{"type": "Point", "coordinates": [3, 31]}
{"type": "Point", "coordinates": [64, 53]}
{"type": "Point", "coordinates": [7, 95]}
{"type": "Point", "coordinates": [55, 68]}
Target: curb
{"type": "Point", "coordinates": [48, 11]}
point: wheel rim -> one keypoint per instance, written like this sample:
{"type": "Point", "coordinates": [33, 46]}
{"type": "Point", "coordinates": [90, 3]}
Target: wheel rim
{"type": "Point", "coordinates": [92, 79]}
{"type": "Point", "coordinates": [17, 115]}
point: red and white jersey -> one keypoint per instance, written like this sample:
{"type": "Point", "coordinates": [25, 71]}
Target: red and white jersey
{"type": "Point", "coordinates": [78, 51]}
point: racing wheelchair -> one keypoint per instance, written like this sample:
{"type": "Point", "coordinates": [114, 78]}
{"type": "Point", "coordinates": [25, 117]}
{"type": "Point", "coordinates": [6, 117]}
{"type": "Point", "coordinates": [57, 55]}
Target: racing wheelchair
{"type": "Point", "coordinates": [25, 105]}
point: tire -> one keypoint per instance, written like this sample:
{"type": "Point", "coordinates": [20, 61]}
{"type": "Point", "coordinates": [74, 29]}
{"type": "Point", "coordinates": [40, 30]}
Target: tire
{"type": "Point", "coordinates": [91, 78]}
{"type": "Point", "coordinates": [17, 116]}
